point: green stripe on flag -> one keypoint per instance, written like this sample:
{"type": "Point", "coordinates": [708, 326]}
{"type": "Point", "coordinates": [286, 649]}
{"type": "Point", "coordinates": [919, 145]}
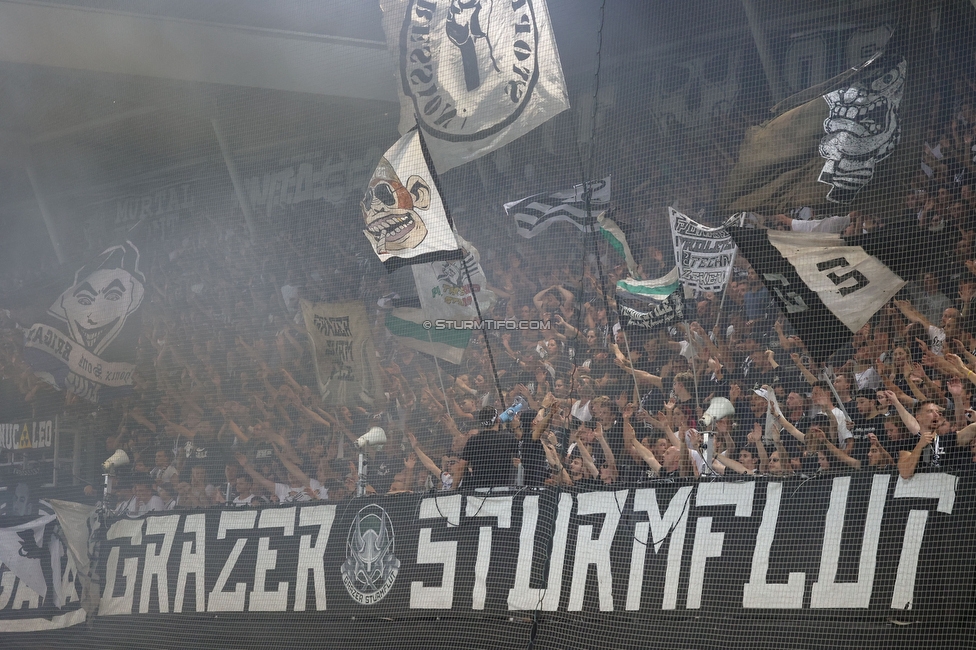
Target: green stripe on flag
{"type": "Point", "coordinates": [408, 329]}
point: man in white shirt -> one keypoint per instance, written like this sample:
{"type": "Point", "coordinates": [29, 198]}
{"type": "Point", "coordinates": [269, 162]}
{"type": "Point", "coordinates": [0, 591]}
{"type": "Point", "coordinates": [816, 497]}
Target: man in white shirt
{"type": "Point", "coordinates": [143, 498]}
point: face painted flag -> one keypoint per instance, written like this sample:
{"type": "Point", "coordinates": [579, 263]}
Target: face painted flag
{"type": "Point", "coordinates": [658, 289]}
{"type": "Point", "coordinates": [342, 346]}
{"type": "Point", "coordinates": [475, 74]}
{"type": "Point", "coordinates": [704, 256]}
{"type": "Point", "coordinates": [618, 241]}
{"type": "Point", "coordinates": [823, 151]}
{"type": "Point", "coordinates": [406, 219]}
{"type": "Point", "coordinates": [86, 342]}
{"type": "Point", "coordinates": [827, 287]}
{"type": "Point", "coordinates": [534, 214]}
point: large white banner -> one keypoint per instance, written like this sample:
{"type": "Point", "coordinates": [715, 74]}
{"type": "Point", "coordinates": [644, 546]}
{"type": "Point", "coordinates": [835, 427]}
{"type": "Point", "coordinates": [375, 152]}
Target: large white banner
{"type": "Point", "coordinates": [475, 74]}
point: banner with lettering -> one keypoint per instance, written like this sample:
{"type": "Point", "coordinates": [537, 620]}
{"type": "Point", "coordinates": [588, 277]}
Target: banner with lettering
{"type": "Point", "coordinates": [40, 588]}
{"type": "Point", "coordinates": [863, 547]}
{"type": "Point", "coordinates": [704, 256]}
{"type": "Point", "coordinates": [85, 343]}
{"type": "Point", "coordinates": [345, 363]}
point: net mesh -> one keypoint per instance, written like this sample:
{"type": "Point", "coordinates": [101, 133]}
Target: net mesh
{"type": "Point", "coordinates": [696, 371]}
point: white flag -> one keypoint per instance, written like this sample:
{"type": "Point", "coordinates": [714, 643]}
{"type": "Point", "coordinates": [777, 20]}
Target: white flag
{"type": "Point", "coordinates": [22, 551]}
{"type": "Point", "coordinates": [475, 74]}
{"type": "Point", "coordinates": [704, 256]}
{"type": "Point", "coordinates": [405, 218]}
{"type": "Point", "coordinates": [443, 286]}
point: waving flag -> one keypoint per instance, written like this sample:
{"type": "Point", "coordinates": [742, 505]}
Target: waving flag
{"type": "Point", "coordinates": [86, 342]}
{"type": "Point", "coordinates": [823, 151]}
{"type": "Point", "coordinates": [405, 217]}
{"type": "Point", "coordinates": [826, 287]}
{"type": "Point", "coordinates": [704, 256]}
{"type": "Point", "coordinates": [534, 214]}
{"type": "Point", "coordinates": [657, 289]}
{"type": "Point", "coordinates": [475, 74]}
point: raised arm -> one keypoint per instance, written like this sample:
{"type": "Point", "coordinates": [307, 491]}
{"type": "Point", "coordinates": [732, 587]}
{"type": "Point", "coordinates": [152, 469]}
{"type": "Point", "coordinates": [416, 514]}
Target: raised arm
{"type": "Point", "coordinates": [633, 445]}
{"type": "Point", "coordinates": [910, 422]}
{"type": "Point", "coordinates": [912, 314]}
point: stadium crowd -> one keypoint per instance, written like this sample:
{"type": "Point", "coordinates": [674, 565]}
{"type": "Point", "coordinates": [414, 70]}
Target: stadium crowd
{"type": "Point", "coordinates": [226, 409]}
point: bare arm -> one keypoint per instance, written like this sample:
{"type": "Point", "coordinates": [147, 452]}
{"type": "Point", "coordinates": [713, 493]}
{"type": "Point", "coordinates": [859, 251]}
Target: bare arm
{"type": "Point", "coordinates": [910, 422]}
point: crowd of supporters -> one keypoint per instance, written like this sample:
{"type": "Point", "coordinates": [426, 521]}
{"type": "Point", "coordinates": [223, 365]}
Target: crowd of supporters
{"type": "Point", "coordinates": [226, 409]}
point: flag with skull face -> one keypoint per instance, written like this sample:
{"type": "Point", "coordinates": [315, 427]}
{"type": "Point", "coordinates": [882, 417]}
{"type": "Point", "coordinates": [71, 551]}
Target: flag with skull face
{"type": "Point", "coordinates": [85, 343]}
{"type": "Point", "coordinates": [405, 217]}
{"type": "Point", "coordinates": [822, 152]}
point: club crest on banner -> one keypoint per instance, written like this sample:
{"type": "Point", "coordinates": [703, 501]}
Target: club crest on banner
{"type": "Point", "coordinates": [371, 567]}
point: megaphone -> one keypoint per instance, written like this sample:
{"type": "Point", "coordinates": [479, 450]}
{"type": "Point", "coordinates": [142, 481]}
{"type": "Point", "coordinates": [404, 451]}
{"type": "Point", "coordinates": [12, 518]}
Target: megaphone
{"type": "Point", "coordinates": [375, 437]}
{"type": "Point", "coordinates": [717, 409]}
{"type": "Point", "coordinates": [116, 460]}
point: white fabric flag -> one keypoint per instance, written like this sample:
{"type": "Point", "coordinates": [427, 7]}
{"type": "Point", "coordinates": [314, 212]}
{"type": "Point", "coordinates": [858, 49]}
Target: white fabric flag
{"type": "Point", "coordinates": [476, 75]}
{"type": "Point", "coordinates": [852, 284]}
{"type": "Point", "coordinates": [22, 551]}
{"type": "Point", "coordinates": [443, 286]}
{"type": "Point", "coordinates": [404, 215]}
{"type": "Point", "coordinates": [704, 256]}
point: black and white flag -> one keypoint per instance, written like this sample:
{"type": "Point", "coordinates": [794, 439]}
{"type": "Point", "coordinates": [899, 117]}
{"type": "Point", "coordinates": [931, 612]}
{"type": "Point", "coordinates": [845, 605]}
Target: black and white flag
{"type": "Point", "coordinates": [704, 256]}
{"type": "Point", "coordinates": [827, 287]}
{"type": "Point", "coordinates": [534, 214]}
{"type": "Point", "coordinates": [823, 151]}
{"type": "Point", "coordinates": [85, 343]}
{"type": "Point", "coordinates": [405, 217]}
{"type": "Point", "coordinates": [653, 315]}
{"type": "Point", "coordinates": [23, 550]}
{"type": "Point", "coordinates": [475, 74]}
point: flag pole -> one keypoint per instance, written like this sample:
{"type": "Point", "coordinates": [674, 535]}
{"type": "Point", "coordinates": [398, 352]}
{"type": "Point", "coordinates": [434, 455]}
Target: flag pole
{"type": "Point", "coordinates": [467, 272]}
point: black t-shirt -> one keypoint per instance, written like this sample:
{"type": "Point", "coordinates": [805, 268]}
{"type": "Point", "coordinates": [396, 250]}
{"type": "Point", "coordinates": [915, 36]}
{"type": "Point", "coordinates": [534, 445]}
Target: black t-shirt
{"type": "Point", "coordinates": [489, 456]}
{"type": "Point", "coordinates": [534, 463]}
{"type": "Point", "coordinates": [943, 455]}
{"type": "Point", "coordinates": [859, 433]}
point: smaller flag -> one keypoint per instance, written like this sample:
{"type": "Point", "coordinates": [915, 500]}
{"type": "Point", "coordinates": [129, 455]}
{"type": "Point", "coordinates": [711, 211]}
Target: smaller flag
{"type": "Point", "coordinates": [657, 289]}
{"type": "Point", "coordinates": [659, 313]}
{"type": "Point", "coordinates": [405, 216]}
{"type": "Point", "coordinates": [342, 347]}
{"type": "Point", "coordinates": [415, 329]}
{"type": "Point", "coordinates": [827, 288]}
{"type": "Point", "coordinates": [618, 241]}
{"type": "Point", "coordinates": [704, 256]}
{"type": "Point", "coordinates": [444, 290]}
{"type": "Point", "coordinates": [534, 214]}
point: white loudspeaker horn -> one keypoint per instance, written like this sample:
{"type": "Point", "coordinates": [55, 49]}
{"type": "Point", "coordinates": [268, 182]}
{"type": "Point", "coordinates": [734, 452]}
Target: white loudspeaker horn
{"type": "Point", "coordinates": [118, 459]}
{"type": "Point", "coordinates": [375, 437]}
{"type": "Point", "coordinates": [717, 409]}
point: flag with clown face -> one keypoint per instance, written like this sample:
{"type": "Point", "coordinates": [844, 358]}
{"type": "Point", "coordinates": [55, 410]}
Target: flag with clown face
{"type": "Point", "coordinates": [405, 217]}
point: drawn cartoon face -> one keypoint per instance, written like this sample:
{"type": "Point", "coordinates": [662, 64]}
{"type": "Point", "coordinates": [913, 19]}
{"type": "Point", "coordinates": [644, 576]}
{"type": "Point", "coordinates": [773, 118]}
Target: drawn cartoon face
{"type": "Point", "coordinates": [389, 210]}
{"type": "Point", "coordinates": [97, 307]}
